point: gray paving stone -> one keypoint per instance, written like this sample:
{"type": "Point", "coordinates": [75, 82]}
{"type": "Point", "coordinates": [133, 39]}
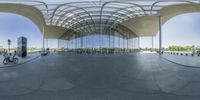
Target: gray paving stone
{"type": "Point", "coordinates": [101, 77]}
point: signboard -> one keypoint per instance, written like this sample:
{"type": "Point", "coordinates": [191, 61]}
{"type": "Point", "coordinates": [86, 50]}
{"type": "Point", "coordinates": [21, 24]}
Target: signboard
{"type": "Point", "coordinates": [22, 47]}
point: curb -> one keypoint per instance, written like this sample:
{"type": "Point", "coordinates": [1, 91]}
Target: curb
{"type": "Point", "coordinates": [179, 63]}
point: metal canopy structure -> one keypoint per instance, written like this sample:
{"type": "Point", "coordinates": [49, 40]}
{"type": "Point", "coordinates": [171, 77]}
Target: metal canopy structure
{"type": "Point", "coordinates": [63, 20]}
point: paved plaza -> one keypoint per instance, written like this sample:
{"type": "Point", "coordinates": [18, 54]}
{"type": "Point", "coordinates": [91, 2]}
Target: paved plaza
{"type": "Point", "coordinates": [187, 61]}
{"type": "Point", "coordinates": [97, 50]}
{"type": "Point", "coordinates": [62, 76]}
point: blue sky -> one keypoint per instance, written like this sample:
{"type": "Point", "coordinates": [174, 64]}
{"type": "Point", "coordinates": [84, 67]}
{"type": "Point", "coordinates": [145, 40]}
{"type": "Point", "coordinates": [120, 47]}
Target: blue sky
{"type": "Point", "coordinates": [180, 30]}
{"type": "Point", "coordinates": [13, 26]}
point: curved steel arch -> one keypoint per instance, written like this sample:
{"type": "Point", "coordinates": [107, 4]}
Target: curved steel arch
{"type": "Point", "coordinates": [119, 15]}
{"type": "Point", "coordinates": [69, 6]}
{"type": "Point", "coordinates": [71, 22]}
{"type": "Point", "coordinates": [116, 11]}
{"type": "Point", "coordinates": [94, 26]}
{"type": "Point", "coordinates": [152, 6]}
{"type": "Point", "coordinates": [41, 2]}
{"type": "Point", "coordinates": [70, 17]}
{"type": "Point", "coordinates": [126, 32]}
{"type": "Point", "coordinates": [84, 16]}
{"type": "Point", "coordinates": [119, 2]}
{"type": "Point", "coordinates": [126, 14]}
{"type": "Point", "coordinates": [103, 17]}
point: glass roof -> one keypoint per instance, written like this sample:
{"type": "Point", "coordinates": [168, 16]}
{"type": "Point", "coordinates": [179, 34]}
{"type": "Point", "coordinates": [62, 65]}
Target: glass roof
{"type": "Point", "coordinates": [97, 15]}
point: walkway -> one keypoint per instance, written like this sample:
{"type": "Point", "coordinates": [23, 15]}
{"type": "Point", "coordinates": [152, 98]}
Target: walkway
{"type": "Point", "coordinates": [187, 61]}
{"type": "Point", "coordinates": [118, 77]}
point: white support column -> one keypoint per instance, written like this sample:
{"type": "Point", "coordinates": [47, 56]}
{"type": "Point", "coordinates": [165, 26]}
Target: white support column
{"type": "Point", "coordinates": [86, 44]}
{"type": "Point", "coordinates": [72, 42]}
{"type": "Point", "coordinates": [127, 43]}
{"type": "Point", "coordinates": [152, 44]}
{"type": "Point", "coordinates": [123, 42]}
{"type": "Point", "coordinates": [46, 42]}
{"type": "Point", "coordinates": [119, 41]}
{"type": "Point", "coordinates": [113, 40]}
{"type": "Point", "coordinates": [76, 42]}
{"type": "Point", "coordinates": [43, 31]}
{"type": "Point", "coordinates": [81, 41]}
{"type": "Point", "coordinates": [160, 35]}
{"type": "Point", "coordinates": [133, 41]}
{"type": "Point", "coordinates": [138, 43]}
{"type": "Point", "coordinates": [66, 44]}
{"type": "Point", "coordinates": [58, 44]}
{"type": "Point", "coordinates": [109, 41]}
{"type": "Point", "coordinates": [69, 43]}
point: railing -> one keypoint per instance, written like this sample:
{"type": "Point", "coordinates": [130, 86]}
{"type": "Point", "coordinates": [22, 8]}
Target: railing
{"type": "Point", "coordinates": [182, 53]}
{"type": "Point", "coordinates": [33, 52]}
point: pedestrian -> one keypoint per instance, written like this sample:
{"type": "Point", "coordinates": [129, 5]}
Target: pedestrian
{"type": "Point", "coordinates": [15, 53]}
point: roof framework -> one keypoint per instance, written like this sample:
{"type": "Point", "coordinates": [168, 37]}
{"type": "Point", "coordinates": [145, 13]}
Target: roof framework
{"type": "Point", "coordinates": [94, 17]}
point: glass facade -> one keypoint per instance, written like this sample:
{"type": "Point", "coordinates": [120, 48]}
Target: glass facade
{"type": "Point", "coordinates": [100, 42]}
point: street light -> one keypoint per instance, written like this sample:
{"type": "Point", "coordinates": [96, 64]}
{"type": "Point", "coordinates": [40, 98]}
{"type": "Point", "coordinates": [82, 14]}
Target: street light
{"type": "Point", "coordinates": [9, 43]}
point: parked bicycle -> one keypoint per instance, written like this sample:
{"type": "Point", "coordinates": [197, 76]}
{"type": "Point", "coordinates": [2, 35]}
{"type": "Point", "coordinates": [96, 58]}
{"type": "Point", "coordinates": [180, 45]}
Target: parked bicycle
{"type": "Point", "coordinates": [10, 59]}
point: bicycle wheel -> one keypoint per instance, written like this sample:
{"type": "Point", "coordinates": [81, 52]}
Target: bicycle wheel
{"type": "Point", "coordinates": [15, 60]}
{"type": "Point", "coordinates": [5, 61]}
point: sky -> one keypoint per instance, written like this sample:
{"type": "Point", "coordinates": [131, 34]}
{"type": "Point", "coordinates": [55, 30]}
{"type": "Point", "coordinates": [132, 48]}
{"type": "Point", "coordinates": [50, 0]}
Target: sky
{"type": "Point", "coordinates": [13, 26]}
{"type": "Point", "coordinates": [181, 30]}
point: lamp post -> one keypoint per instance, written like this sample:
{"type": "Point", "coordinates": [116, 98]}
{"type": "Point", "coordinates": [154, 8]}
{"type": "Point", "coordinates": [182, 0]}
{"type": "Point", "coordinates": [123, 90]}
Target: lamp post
{"type": "Point", "coordinates": [9, 43]}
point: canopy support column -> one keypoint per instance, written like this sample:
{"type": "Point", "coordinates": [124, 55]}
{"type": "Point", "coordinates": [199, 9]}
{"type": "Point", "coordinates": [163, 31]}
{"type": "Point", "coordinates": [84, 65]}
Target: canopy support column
{"type": "Point", "coordinates": [138, 43]}
{"type": "Point", "coordinates": [43, 48]}
{"type": "Point", "coordinates": [160, 36]}
{"type": "Point", "coordinates": [119, 41]}
{"type": "Point", "coordinates": [46, 42]}
{"type": "Point", "coordinates": [152, 44]}
{"type": "Point", "coordinates": [127, 43]}
{"type": "Point", "coordinates": [82, 41]}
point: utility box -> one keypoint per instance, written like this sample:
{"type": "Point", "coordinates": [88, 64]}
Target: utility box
{"type": "Point", "coordinates": [22, 47]}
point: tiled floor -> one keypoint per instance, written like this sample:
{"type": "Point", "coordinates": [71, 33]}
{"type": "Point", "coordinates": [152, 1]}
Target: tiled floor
{"type": "Point", "coordinates": [100, 77]}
